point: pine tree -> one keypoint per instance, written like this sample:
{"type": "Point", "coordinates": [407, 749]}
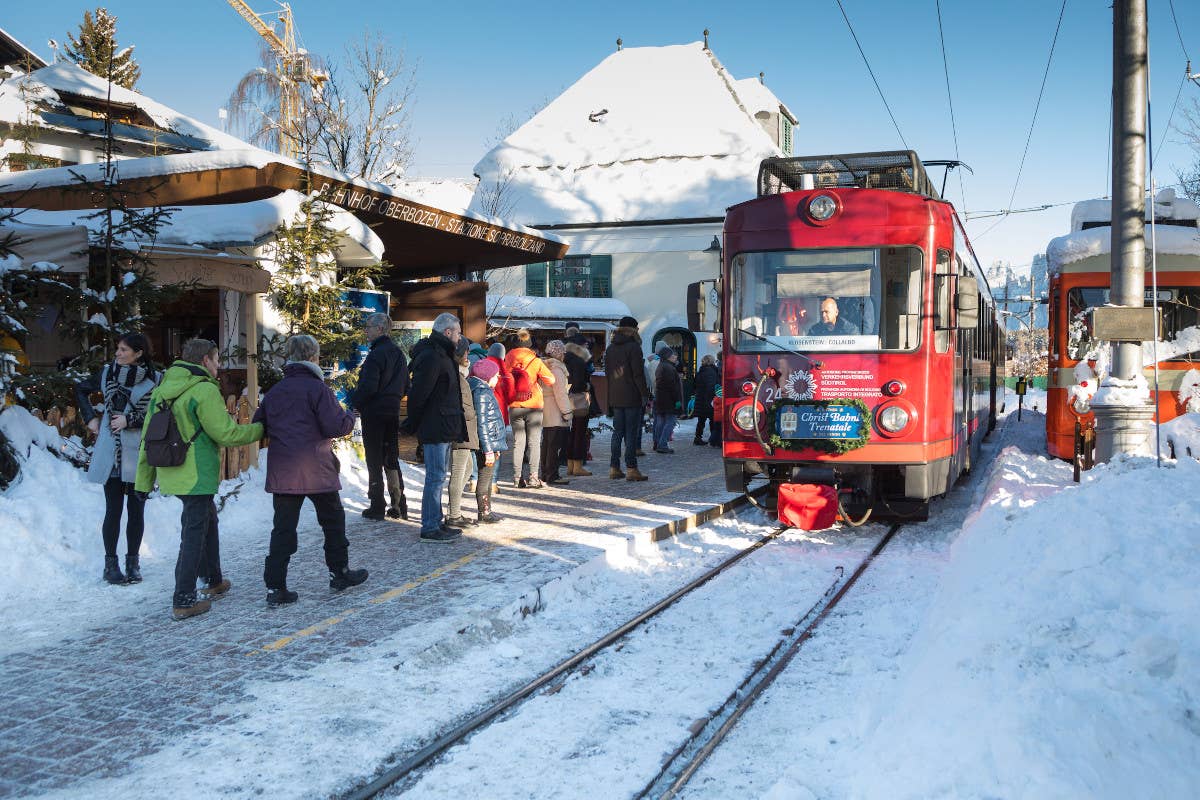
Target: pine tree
{"type": "Point", "coordinates": [96, 46]}
{"type": "Point", "coordinates": [306, 288]}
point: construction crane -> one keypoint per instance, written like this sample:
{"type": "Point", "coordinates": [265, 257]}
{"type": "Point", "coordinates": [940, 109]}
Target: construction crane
{"type": "Point", "coordinates": [292, 65]}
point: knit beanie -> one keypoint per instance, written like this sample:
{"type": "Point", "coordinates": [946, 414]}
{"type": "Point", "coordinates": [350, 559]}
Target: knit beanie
{"type": "Point", "coordinates": [485, 369]}
{"type": "Point", "coordinates": [664, 350]}
{"type": "Point", "coordinates": [496, 351]}
{"type": "Point", "coordinates": [556, 349]}
{"type": "Point", "coordinates": [628, 322]}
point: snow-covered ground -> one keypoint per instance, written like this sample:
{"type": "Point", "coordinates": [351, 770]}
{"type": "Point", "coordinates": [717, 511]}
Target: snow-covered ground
{"type": "Point", "coordinates": [1036, 638]}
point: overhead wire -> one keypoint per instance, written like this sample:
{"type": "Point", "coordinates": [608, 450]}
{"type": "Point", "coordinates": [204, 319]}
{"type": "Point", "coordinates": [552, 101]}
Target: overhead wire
{"type": "Point", "coordinates": [895, 124]}
{"type": "Point", "coordinates": [1175, 19]}
{"type": "Point", "coordinates": [1033, 123]}
{"type": "Point", "coordinates": [950, 100]}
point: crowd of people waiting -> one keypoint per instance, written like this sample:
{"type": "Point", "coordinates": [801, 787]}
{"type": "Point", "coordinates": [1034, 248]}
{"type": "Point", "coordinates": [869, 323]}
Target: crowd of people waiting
{"type": "Point", "coordinates": [467, 407]}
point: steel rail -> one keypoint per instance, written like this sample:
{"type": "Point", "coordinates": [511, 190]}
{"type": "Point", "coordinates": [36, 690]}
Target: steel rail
{"type": "Point", "coordinates": [477, 721]}
{"type": "Point", "coordinates": [704, 739]}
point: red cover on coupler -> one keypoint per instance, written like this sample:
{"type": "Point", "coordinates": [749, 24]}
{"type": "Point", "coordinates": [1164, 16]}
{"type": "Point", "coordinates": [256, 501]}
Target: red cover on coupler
{"type": "Point", "coordinates": [809, 506]}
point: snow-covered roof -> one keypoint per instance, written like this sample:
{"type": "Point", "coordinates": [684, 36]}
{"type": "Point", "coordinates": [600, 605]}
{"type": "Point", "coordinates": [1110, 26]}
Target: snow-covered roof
{"type": "Point", "coordinates": [1182, 240]}
{"type": "Point", "coordinates": [1167, 205]}
{"type": "Point", "coordinates": [579, 309]}
{"type": "Point", "coordinates": [649, 133]}
{"type": "Point", "coordinates": [218, 227]}
{"type": "Point", "coordinates": [450, 194]}
{"type": "Point", "coordinates": [68, 78]}
{"type": "Point", "coordinates": [756, 97]}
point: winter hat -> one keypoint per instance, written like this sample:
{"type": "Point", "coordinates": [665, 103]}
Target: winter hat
{"type": "Point", "coordinates": [524, 339]}
{"type": "Point", "coordinates": [485, 369]}
{"type": "Point", "coordinates": [664, 350]}
{"type": "Point", "coordinates": [496, 351]}
{"type": "Point", "coordinates": [461, 347]}
{"type": "Point", "coordinates": [570, 325]}
{"type": "Point", "coordinates": [476, 352]}
{"type": "Point", "coordinates": [556, 349]}
{"type": "Point", "coordinates": [628, 322]}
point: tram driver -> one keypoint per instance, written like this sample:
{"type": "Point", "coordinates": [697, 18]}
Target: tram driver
{"type": "Point", "coordinates": [831, 324]}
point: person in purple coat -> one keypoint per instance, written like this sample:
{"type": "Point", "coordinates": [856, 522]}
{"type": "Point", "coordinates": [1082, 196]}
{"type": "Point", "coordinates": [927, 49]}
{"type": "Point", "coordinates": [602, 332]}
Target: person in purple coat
{"type": "Point", "coordinates": [302, 417]}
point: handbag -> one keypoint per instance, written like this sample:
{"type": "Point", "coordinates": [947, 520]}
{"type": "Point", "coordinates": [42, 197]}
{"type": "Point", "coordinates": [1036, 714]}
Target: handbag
{"type": "Point", "coordinates": [581, 403]}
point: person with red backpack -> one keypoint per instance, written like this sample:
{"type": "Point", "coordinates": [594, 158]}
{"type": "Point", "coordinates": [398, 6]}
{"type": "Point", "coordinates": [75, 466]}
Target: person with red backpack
{"type": "Point", "coordinates": [529, 374]}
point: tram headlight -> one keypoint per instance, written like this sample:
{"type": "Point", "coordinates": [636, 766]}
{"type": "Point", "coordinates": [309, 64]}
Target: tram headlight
{"type": "Point", "coordinates": [822, 207]}
{"type": "Point", "coordinates": [893, 419]}
{"type": "Point", "coordinates": [744, 417]}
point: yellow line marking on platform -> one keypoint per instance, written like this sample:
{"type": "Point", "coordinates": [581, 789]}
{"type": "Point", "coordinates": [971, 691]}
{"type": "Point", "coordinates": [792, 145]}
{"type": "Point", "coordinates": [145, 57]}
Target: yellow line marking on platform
{"type": "Point", "coordinates": [437, 573]}
{"type": "Point", "coordinates": [391, 594]}
{"type": "Point", "coordinates": [679, 486]}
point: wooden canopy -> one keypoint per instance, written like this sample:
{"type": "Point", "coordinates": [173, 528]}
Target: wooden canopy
{"type": "Point", "coordinates": [419, 240]}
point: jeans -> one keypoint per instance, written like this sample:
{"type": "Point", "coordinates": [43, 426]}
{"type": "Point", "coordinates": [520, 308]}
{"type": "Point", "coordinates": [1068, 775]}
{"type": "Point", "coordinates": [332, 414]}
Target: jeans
{"type": "Point", "coordinates": [664, 426]}
{"type": "Point", "coordinates": [199, 547]}
{"type": "Point", "coordinates": [437, 463]}
{"type": "Point", "coordinates": [330, 516]}
{"type": "Point", "coordinates": [527, 440]}
{"type": "Point", "coordinates": [627, 424]}
{"type": "Point", "coordinates": [382, 452]}
{"type": "Point", "coordinates": [118, 494]}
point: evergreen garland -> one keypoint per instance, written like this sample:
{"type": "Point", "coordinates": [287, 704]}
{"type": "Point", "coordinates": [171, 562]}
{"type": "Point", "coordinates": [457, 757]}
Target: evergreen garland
{"type": "Point", "coordinates": [96, 45]}
{"type": "Point", "coordinates": [834, 446]}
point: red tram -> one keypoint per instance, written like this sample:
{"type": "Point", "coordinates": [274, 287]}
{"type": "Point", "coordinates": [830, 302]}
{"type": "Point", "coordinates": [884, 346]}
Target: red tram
{"type": "Point", "coordinates": [860, 338]}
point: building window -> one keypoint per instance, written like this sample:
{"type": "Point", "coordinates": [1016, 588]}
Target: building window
{"type": "Point", "coordinates": [573, 276]}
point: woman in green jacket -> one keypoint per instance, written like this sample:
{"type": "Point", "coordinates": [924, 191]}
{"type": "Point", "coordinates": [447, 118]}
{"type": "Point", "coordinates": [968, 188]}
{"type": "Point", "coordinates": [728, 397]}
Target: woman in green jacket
{"type": "Point", "coordinates": [190, 387]}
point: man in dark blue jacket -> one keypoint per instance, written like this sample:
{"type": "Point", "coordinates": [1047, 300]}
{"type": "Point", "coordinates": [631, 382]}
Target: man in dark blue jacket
{"type": "Point", "coordinates": [435, 416]}
{"type": "Point", "coordinates": [382, 383]}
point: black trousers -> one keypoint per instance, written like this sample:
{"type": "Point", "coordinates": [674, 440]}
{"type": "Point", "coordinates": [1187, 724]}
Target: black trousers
{"type": "Point", "coordinates": [199, 546]}
{"type": "Point", "coordinates": [382, 452]}
{"type": "Point", "coordinates": [552, 443]}
{"type": "Point", "coordinates": [119, 495]}
{"type": "Point", "coordinates": [577, 447]}
{"type": "Point", "coordinates": [700, 418]}
{"type": "Point", "coordinates": [330, 516]}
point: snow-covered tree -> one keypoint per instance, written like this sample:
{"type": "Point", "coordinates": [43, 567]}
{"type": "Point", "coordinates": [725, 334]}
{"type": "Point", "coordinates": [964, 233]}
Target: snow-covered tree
{"type": "Point", "coordinates": [95, 49]}
{"type": "Point", "coordinates": [307, 289]}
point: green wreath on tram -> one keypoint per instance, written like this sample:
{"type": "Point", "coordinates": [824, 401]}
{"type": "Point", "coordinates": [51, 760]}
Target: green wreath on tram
{"type": "Point", "coordinates": [833, 446]}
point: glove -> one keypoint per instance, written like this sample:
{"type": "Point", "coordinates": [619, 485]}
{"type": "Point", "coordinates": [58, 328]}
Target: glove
{"type": "Point", "coordinates": [143, 496]}
{"type": "Point", "coordinates": [678, 405]}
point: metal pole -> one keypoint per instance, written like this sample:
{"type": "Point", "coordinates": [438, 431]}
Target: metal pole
{"type": "Point", "coordinates": [1120, 428]}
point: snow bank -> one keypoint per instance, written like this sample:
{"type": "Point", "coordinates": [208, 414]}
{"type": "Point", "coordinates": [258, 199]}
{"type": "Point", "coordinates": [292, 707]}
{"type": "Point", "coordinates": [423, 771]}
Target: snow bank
{"type": "Point", "coordinates": [1060, 660]}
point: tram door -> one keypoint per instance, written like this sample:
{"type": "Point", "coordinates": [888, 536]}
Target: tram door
{"type": "Point", "coordinates": [683, 342]}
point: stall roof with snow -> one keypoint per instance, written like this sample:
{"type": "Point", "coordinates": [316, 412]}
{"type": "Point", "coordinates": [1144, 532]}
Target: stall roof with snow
{"type": "Point", "coordinates": [650, 133]}
{"type": "Point", "coordinates": [418, 240]}
{"type": "Point", "coordinates": [524, 311]}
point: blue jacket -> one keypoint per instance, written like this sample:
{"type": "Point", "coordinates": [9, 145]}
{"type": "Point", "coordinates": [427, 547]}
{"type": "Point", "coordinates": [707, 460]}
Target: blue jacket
{"type": "Point", "coordinates": [487, 415]}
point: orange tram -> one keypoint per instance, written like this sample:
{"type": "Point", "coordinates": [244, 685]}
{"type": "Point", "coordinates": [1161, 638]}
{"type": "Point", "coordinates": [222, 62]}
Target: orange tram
{"type": "Point", "coordinates": [860, 338]}
{"type": "Point", "coordinates": [1079, 264]}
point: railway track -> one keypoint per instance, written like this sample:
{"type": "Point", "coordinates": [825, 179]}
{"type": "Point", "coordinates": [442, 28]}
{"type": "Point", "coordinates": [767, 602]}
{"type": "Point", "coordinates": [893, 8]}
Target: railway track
{"type": "Point", "coordinates": [704, 735]}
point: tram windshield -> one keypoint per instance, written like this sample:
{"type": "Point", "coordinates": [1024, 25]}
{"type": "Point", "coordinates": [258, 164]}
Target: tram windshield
{"type": "Point", "coordinates": [1180, 306]}
{"type": "Point", "coordinates": [851, 300]}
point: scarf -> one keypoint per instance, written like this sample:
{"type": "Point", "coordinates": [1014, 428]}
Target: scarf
{"type": "Point", "coordinates": [118, 387]}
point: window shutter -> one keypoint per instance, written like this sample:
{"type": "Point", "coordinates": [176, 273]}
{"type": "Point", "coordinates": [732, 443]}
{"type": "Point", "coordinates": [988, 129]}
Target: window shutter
{"type": "Point", "coordinates": [535, 280]}
{"type": "Point", "coordinates": [787, 136]}
{"type": "Point", "coordinates": [602, 276]}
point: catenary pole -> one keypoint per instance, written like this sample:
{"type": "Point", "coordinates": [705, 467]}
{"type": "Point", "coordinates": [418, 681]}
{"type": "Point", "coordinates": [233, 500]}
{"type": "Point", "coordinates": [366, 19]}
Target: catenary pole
{"type": "Point", "coordinates": [1121, 427]}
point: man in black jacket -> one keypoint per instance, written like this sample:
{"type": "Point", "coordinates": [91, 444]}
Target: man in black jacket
{"type": "Point", "coordinates": [382, 383]}
{"type": "Point", "coordinates": [627, 393]}
{"type": "Point", "coordinates": [435, 415]}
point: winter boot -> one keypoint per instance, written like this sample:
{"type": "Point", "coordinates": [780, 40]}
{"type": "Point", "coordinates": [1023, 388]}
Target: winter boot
{"type": "Point", "coordinates": [556, 480]}
{"type": "Point", "coordinates": [575, 468]}
{"type": "Point", "coordinates": [219, 589]}
{"type": "Point", "coordinates": [615, 473]}
{"type": "Point", "coordinates": [632, 474]}
{"type": "Point", "coordinates": [281, 597]}
{"type": "Point", "coordinates": [112, 572]}
{"type": "Point", "coordinates": [345, 577]}
{"type": "Point", "coordinates": [458, 521]}
{"type": "Point", "coordinates": [190, 607]}
{"type": "Point", "coordinates": [399, 503]}
{"type": "Point", "coordinates": [486, 516]}
{"type": "Point", "coordinates": [133, 570]}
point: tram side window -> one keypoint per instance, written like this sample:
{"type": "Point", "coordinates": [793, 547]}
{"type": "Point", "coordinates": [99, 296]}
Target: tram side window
{"type": "Point", "coordinates": [942, 295]}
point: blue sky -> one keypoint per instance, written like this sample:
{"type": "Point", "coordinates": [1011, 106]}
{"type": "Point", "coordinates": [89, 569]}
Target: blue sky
{"type": "Point", "coordinates": [480, 62]}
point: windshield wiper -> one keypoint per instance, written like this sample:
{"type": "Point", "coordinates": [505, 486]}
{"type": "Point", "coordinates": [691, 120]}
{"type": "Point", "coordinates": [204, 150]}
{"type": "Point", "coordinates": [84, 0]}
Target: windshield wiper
{"type": "Point", "coordinates": [812, 362]}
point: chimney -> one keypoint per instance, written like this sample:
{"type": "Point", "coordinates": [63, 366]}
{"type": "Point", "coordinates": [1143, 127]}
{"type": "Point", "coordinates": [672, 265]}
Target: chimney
{"type": "Point", "coordinates": [706, 38]}
{"type": "Point", "coordinates": [619, 44]}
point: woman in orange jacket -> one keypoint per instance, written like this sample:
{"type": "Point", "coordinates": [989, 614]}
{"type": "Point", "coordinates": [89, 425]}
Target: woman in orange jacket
{"type": "Point", "coordinates": [529, 374]}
